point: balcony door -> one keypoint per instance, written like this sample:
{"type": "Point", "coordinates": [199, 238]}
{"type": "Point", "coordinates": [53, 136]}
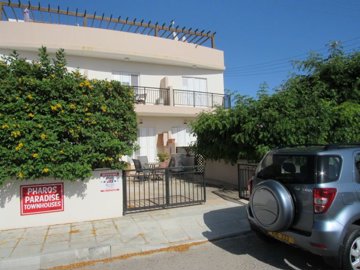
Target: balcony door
{"type": "Point", "coordinates": [126, 78]}
{"type": "Point", "coordinates": [147, 143]}
{"type": "Point", "coordinates": [197, 94]}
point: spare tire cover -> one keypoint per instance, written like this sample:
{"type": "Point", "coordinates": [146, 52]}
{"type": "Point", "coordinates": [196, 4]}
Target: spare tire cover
{"type": "Point", "coordinates": [272, 206]}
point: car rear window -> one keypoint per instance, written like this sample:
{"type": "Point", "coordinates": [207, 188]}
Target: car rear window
{"type": "Point", "coordinates": [305, 169]}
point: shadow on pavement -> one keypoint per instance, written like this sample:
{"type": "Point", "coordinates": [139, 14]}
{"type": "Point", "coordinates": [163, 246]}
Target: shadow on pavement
{"type": "Point", "coordinates": [245, 242]}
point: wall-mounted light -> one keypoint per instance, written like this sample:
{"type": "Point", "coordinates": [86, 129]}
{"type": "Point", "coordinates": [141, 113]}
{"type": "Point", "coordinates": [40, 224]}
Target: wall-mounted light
{"type": "Point", "coordinates": [140, 121]}
{"type": "Point", "coordinates": [185, 122]}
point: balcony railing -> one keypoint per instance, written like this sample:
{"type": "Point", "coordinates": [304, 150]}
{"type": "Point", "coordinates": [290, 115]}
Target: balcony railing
{"type": "Point", "coordinates": [26, 12]}
{"type": "Point", "coordinates": [200, 99]}
{"type": "Point", "coordinates": [151, 95]}
{"type": "Point", "coordinates": [161, 96]}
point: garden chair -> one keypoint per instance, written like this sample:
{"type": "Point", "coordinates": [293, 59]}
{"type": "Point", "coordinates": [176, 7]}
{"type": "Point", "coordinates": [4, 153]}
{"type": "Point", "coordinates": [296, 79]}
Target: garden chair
{"type": "Point", "coordinates": [140, 172]}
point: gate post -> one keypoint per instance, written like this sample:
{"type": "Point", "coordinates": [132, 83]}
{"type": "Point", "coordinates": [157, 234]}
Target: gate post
{"type": "Point", "coordinates": [125, 206]}
{"type": "Point", "coordinates": [167, 187]}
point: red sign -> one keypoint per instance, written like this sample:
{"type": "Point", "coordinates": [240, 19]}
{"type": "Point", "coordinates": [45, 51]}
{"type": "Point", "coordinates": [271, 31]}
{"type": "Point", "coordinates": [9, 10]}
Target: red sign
{"type": "Point", "coordinates": [42, 198]}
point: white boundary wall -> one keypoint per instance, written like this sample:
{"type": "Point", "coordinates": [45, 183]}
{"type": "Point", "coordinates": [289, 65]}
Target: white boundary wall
{"type": "Point", "coordinates": [90, 199]}
{"type": "Point", "coordinates": [221, 172]}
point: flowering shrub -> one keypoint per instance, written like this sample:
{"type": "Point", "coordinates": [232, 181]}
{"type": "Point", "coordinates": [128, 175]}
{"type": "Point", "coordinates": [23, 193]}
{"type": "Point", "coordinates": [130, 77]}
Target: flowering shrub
{"type": "Point", "coordinates": [58, 123]}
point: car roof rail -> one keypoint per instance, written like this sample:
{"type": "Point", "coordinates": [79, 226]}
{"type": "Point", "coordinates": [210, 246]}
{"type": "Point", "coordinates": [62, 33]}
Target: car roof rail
{"type": "Point", "coordinates": [340, 145]}
{"type": "Point", "coordinates": [299, 145]}
{"type": "Point", "coordinates": [326, 146]}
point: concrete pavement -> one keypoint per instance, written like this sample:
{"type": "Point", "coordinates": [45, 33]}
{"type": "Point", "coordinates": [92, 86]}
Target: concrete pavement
{"type": "Point", "coordinates": [51, 246]}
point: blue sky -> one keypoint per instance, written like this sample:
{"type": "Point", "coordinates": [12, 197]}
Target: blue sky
{"type": "Point", "coordinates": [259, 37]}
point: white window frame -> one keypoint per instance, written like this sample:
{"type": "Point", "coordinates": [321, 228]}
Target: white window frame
{"type": "Point", "coordinates": [122, 73]}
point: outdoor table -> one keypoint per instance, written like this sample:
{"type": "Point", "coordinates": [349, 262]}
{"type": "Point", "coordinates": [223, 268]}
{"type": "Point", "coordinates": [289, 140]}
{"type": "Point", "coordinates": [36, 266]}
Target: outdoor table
{"type": "Point", "coordinates": [156, 174]}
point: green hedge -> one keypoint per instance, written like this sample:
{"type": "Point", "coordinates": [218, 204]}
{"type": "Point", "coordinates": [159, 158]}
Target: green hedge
{"type": "Point", "coordinates": [319, 105]}
{"type": "Point", "coordinates": [58, 123]}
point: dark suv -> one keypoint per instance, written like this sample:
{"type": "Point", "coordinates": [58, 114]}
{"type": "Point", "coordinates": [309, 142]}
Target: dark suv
{"type": "Point", "coordinates": [309, 196]}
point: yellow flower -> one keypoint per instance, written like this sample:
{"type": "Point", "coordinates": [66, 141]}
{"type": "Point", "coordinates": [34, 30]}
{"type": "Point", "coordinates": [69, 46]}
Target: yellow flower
{"type": "Point", "coordinates": [103, 108]}
{"type": "Point", "coordinates": [86, 84]}
{"type": "Point", "coordinates": [20, 175]}
{"type": "Point", "coordinates": [29, 97]}
{"type": "Point", "coordinates": [35, 155]}
{"type": "Point", "coordinates": [4, 126]}
{"type": "Point", "coordinates": [43, 136]}
{"type": "Point", "coordinates": [45, 170]}
{"type": "Point", "coordinates": [31, 115]}
{"type": "Point", "coordinates": [61, 151]}
{"type": "Point", "coordinates": [56, 107]}
{"type": "Point", "coordinates": [72, 106]}
{"type": "Point", "coordinates": [15, 133]}
{"type": "Point", "coordinates": [19, 146]}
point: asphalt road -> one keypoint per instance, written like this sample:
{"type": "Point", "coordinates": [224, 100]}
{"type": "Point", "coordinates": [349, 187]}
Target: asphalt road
{"type": "Point", "coordinates": [245, 252]}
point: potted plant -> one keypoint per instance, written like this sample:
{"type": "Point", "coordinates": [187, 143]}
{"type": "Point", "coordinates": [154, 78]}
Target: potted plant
{"type": "Point", "coordinates": [163, 159]}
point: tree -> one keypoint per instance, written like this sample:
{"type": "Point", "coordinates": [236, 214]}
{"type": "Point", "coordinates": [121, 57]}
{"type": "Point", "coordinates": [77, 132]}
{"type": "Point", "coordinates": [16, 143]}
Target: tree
{"type": "Point", "coordinates": [319, 105]}
{"type": "Point", "coordinates": [58, 123]}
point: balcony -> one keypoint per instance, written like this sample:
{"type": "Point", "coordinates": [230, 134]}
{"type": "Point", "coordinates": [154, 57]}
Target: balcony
{"type": "Point", "coordinates": [179, 98]}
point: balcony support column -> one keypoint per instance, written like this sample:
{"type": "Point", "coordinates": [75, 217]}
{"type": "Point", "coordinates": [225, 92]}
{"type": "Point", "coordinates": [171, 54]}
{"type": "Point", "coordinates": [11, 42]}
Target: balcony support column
{"type": "Point", "coordinates": [171, 95]}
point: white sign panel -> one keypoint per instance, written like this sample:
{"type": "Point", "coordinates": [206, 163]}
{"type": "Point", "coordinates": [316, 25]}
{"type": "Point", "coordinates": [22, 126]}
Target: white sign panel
{"type": "Point", "coordinates": [109, 181]}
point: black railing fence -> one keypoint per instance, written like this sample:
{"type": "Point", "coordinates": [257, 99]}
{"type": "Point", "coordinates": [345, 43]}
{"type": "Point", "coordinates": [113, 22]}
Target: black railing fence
{"type": "Point", "coordinates": [151, 95]}
{"type": "Point", "coordinates": [161, 96]}
{"type": "Point", "coordinates": [245, 174]}
{"type": "Point", "coordinates": [162, 188]}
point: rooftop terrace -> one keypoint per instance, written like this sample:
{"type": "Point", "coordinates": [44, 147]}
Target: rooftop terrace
{"type": "Point", "coordinates": [20, 12]}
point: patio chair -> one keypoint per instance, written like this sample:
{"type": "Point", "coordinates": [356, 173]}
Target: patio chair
{"type": "Point", "coordinates": [140, 98]}
{"type": "Point", "coordinates": [144, 161]}
{"type": "Point", "coordinates": [176, 164]}
{"type": "Point", "coordinates": [140, 173]}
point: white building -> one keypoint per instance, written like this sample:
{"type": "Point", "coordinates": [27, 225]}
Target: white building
{"type": "Point", "coordinates": [175, 73]}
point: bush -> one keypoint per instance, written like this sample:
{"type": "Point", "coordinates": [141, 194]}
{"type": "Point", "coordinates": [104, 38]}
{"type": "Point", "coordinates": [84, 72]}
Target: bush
{"type": "Point", "coordinates": [58, 123]}
{"type": "Point", "coordinates": [318, 106]}
{"type": "Point", "coordinates": [163, 156]}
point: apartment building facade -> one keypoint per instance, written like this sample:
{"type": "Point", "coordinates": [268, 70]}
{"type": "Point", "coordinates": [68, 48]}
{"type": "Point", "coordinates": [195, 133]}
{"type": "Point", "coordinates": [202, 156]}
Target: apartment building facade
{"type": "Point", "coordinates": [176, 73]}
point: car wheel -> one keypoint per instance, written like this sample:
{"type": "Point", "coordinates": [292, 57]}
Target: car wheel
{"type": "Point", "coordinates": [351, 251]}
{"type": "Point", "coordinates": [272, 206]}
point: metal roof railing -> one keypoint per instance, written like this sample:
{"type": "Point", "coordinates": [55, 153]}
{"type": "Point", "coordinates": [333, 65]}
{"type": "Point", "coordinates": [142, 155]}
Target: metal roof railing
{"type": "Point", "coordinates": [11, 11]}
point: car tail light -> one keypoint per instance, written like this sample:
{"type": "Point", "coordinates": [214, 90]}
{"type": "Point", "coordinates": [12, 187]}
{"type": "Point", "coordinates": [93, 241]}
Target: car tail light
{"type": "Point", "coordinates": [323, 198]}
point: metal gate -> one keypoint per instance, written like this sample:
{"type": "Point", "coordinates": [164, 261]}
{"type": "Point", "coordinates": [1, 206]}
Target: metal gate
{"type": "Point", "coordinates": [245, 173]}
{"type": "Point", "coordinates": [162, 188]}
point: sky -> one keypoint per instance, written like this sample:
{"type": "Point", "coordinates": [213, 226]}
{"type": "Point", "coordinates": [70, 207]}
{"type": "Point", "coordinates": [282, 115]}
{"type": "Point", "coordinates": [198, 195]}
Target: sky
{"type": "Point", "coordinates": [260, 38]}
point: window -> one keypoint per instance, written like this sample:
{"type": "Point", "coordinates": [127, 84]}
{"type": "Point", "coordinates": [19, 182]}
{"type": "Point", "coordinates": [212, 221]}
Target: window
{"type": "Point", "coordinates": [300, 169]}
{"type": "Point", "coordinates": [126, 78]}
